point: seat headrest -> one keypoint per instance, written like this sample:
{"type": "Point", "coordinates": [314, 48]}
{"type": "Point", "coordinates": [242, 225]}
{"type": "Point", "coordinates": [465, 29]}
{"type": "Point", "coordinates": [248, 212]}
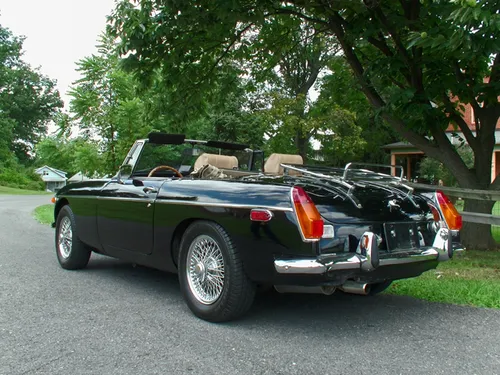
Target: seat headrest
{"type": "Point", "coordinates": [272, 165]}
{"type": "Point", "coordinates": [219, 161]}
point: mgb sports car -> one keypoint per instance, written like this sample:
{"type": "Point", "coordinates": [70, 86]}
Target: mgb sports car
{"type": "Point", "coordinates": [229, 221]}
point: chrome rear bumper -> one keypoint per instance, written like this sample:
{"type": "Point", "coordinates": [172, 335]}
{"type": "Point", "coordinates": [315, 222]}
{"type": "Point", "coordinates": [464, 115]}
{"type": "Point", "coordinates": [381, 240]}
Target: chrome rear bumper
{"type": "Point", "coordinates": [368, 258]}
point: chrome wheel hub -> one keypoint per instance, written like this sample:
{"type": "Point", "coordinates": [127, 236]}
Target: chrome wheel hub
{"type": "Point", "coordinates": [65, 239]}
{"type": "Point", "coordinates": [205, 269]}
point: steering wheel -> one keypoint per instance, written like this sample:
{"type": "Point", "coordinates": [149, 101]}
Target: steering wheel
{"type": "Point", "coordinates": [167, 167]}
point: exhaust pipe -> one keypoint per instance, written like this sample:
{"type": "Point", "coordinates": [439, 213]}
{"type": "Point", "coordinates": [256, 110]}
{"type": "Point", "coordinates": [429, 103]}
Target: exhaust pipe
{"type": "Point", "coordinates": [355, 288]}
{"type": "Point", "coordinates": [326, 290]}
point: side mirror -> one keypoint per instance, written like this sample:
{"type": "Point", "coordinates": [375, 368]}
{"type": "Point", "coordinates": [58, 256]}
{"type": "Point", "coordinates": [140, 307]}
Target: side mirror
{"type": "Point", "coordinates": [124, 173]}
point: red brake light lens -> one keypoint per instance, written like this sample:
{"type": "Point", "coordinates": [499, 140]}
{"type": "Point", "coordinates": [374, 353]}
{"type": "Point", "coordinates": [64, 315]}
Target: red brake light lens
{"type": "Point", "coordinates": [452, 217]}
{"type": "Point", "coordinates": [261, 215]}
{"type": "Point", "coordinates": [308, 216]}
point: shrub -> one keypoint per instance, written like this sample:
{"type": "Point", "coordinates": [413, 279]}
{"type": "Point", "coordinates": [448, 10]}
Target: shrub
{"type": "Point", "coordinates": [17, 176]}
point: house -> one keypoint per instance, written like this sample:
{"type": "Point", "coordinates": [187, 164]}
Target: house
{"type": "Point", "coordinates": [77, 178]}
{"type": "Point", "coordinates": [54, 178]}
{"type": "Point", "coordinates": [409, 157]}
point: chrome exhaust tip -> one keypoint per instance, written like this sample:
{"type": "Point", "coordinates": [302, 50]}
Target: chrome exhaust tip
{"type": "Point", "coordinates": [326, 290]}
{"type": "Point", "coordinates": [353, 287]}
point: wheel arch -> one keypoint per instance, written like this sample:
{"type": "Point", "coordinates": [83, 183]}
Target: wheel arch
{"type": "Point", "coordinates": [59, 205]}
{"type": "Point", "coordinates": [179, 231]}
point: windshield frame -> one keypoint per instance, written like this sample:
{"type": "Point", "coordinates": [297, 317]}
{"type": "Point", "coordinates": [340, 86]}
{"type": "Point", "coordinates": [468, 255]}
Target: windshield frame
{"type": "Point", "coordinates": [254, 158]}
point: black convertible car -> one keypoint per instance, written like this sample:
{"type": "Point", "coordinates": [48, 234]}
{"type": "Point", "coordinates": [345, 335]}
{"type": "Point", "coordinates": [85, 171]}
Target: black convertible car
{"type": "Point", "coordinates": [228, 221]}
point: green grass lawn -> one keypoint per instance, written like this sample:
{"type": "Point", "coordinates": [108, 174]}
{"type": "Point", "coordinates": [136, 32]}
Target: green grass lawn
{"type": "Point", "coordinates": [13, 191]}
{"type": "Point", "coordinates": [471, 278]}
{"type": "Point", "coordinates": [44, 214]}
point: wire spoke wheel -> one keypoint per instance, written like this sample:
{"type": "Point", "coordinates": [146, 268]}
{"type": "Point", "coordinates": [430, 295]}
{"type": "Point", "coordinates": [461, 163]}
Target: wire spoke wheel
{"type": "Point", "coordinates": [205, 269]}
{"type": "Point", "coordinates": [72, 253]}
{"type": "Point", "coordinates": [211, 274]}
{"type": "Point", "coordinates": [65, 239]}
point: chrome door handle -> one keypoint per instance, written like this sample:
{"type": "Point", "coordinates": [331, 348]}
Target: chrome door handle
{"type": "Point", "coordinates": [149, 190]}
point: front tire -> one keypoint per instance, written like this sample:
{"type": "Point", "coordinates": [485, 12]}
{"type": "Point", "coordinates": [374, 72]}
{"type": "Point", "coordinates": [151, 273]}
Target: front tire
{"type": "Point", "coordinates": [71, 253]}
{"type": "Point", "coordinates": [211, 276]}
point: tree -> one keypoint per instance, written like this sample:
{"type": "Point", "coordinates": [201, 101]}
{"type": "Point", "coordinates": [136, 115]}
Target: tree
{"type": "Point", "coordinates": [106, 106]}
{"type": "Point", "coordinates": [229, 123]}
{"type": "Point", "coordinates": [70, 155]}
{"type": "Point", "coordinates": [340, 89]}
{"type": "Point", "coordinates": [28, 99]}
{"type": "Point", "coordinates": [416, 62]}
{"type": "Point", "coordinates": [28, 102]}
{"type": "Point", "coordinates": [285, 56]}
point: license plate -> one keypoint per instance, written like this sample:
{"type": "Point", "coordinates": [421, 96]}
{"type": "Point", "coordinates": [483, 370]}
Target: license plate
{"type": "Point", "coordinates": [401, 236]}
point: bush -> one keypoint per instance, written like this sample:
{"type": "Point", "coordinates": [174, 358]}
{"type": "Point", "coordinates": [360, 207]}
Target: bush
{"type": "Point", "coordinates": [19, 177]}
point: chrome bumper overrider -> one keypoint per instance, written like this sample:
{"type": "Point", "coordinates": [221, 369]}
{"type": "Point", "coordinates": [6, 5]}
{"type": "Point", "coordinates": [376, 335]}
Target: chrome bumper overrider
{"type": "Point", "coordinates": [368, 258]}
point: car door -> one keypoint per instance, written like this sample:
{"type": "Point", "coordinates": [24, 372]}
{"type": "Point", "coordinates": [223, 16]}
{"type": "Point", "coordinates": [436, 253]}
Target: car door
{"type": "Point", "coordinates": [125, 212]}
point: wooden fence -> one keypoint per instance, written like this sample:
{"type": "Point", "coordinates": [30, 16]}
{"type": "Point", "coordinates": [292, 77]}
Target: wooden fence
{"type": "Point", "coordinates": [483, 195]}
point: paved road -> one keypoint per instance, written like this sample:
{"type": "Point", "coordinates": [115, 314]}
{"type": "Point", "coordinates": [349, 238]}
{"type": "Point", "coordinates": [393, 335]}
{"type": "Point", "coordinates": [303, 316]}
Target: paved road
{"type": "Point", "coordinates": [113, 318]}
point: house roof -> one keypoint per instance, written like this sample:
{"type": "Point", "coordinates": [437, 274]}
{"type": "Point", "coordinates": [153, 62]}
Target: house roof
{"type": "Point", "coordinates": [56, 171]}
{"type": "Point", "coordinates": [78, 177]}
{"type": "Point", "coordinates": [402, 144]}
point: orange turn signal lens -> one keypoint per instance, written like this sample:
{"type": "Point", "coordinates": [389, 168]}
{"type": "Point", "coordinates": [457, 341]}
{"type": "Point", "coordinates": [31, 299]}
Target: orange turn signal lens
{"type": "Point", "coordinates": [53, 200]}
{"type": "Point", "coordinates": [452, 217]}
{"type": "Point", "coordinates": [308, 216]}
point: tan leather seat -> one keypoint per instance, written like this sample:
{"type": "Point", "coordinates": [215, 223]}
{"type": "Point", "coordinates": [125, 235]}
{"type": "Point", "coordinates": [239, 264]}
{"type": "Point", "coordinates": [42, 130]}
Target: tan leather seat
{"type": "Point", "coordinates": [272, 165]}
{"type": "Point", "coordinates": [219, 161]}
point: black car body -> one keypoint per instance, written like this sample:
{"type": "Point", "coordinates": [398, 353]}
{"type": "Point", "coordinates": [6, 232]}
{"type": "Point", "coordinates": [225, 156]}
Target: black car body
{"type": "Point", "coordinates": [230, 227]}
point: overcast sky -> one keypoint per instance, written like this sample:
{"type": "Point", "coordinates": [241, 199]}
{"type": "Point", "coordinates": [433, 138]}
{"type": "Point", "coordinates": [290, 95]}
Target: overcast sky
{"type": "Point", "coordinates": [58, 33]}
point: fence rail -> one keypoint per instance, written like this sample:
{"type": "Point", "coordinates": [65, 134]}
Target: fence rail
{"type": "Point", "coordinates": [482, 195]}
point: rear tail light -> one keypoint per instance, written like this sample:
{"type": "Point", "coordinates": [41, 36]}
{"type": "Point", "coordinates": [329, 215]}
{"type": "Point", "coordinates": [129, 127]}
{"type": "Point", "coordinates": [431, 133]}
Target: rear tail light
{"type": "Point", "coordinates": [451, 216]}
{"type": "Point", "coordinates": [435, 213]}
{"type": "Point", "coordinates": [310, 221]}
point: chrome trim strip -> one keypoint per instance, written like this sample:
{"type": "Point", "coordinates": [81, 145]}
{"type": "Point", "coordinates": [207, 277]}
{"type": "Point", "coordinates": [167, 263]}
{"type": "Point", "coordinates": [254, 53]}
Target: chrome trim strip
{"type": "Point", "coordinates": [351, 263]}
{"type": "Point", "coordinates": [355, 262]}
{"type": "Point", "coordinates": [126, 199]}
{"type": "Point", "coordinates": [430, 254]}
{"type": "Point", "coordinates": [223, 205]}
{"type": "Point", "coordinates": [77, 196]}
{"type": "Point", "coordinates": [188, 203]}
{"type": "Point", "coordinates": [305, 266]}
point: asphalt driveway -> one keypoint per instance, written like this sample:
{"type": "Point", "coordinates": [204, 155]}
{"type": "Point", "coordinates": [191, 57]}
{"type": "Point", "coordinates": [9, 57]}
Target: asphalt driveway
{"type": "Point", "coordinates": [114, 318]}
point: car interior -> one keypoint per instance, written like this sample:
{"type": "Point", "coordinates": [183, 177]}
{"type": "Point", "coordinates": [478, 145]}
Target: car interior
{"type": "Point", "coordinates": [171, 155]}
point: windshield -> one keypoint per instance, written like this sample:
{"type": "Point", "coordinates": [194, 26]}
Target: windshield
{"type": "Point", "coordinates": [186, 158]}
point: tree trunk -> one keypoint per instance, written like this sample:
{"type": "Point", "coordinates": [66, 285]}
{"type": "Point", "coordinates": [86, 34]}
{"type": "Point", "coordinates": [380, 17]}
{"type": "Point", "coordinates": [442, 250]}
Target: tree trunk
{"type": "Point", "coordinates": [301, 143]}
{"type": "Point", "coordinates": [477, 236]}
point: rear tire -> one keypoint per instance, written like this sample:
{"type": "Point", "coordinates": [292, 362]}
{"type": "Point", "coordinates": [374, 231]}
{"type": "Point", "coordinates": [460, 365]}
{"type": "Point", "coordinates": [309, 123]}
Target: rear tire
{"type": "Point", "coordinates": [211, 276]}
{"type": "Point", "coordinates": [379, 287]}
{"type": "Point", "coordinates": [72, 253]}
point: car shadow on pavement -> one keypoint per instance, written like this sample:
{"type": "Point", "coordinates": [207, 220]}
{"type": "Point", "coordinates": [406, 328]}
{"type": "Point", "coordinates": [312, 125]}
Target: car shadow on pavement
{"type": "Point", "coordinates": [133, 277]}
{"type": "Point", "coordinates": [273, 310]}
